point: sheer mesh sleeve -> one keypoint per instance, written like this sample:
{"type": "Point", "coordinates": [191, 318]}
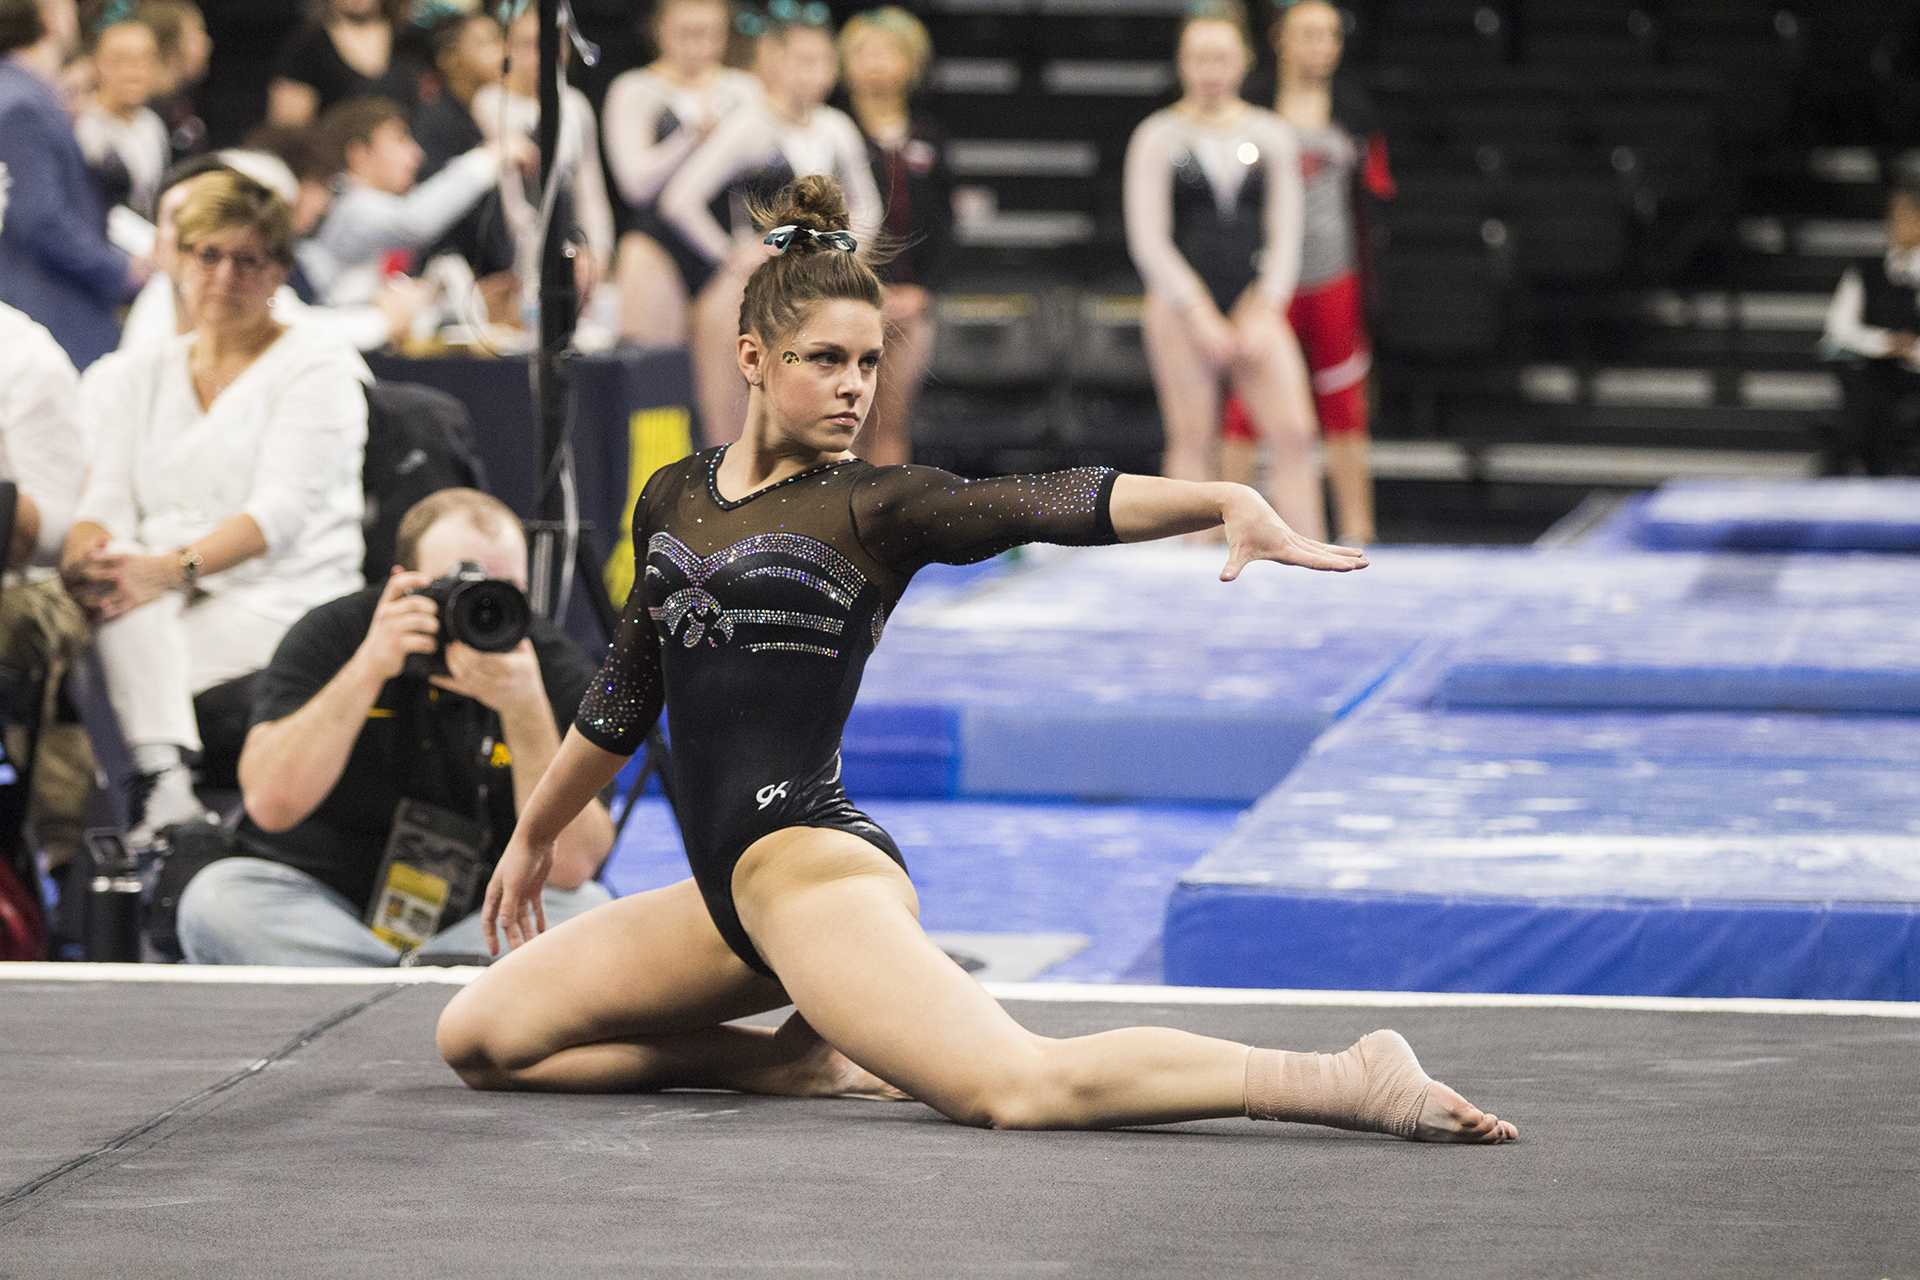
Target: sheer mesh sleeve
{"type": "Point", "coordinates": [911, 516]}
{"type": "Point", "coordinates": [625, 697]}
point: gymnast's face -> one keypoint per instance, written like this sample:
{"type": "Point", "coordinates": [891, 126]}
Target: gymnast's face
{"type": "Point", "coordinates": [811, 65]}
{"type": "Point", "coordinates": [819, 380]}
{"type": "Point", "coordinates": [692, 35]}
{"type": "Point", "coordinates": [1308, 39]}
{"type": "Point", "coordinates": [1213, 60]}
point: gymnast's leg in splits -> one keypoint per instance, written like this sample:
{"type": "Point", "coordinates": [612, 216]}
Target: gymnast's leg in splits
{"type": "Point", "coordinates": [840, 922]}
{"type": "Point", "coordinates": [633, 996]}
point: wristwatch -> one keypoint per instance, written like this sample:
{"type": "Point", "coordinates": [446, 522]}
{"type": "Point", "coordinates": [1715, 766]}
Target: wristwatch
{"type": "Point", "coordinates": [190, 562]}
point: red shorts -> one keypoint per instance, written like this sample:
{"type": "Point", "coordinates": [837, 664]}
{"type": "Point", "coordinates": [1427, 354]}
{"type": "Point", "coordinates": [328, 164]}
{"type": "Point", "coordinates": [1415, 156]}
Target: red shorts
{"type": "Point", "coordinates": [1333, 337]}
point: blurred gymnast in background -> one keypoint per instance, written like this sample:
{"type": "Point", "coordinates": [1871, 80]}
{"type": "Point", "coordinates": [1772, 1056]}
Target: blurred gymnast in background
{"type": "Point", "coordinates": [884, 55]}
{"type": "Point", "coordinates": [1213, 216]}
{"type": "Point", "coordinates": [653, 119]}
{"type": "Point", "coordinates": [1343, 162]}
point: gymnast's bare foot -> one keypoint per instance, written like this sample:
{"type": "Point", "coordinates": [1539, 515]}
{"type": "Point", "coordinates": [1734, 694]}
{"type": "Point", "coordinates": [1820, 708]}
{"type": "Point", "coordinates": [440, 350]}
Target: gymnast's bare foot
{"type": "Point", "coordinates": [822, 1071]}
{"type": "Point", "coordinates": [1444, 1116]}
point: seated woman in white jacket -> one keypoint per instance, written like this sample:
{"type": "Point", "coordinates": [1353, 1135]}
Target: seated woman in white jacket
{"type": "Point", "coordinates": [224, 498]}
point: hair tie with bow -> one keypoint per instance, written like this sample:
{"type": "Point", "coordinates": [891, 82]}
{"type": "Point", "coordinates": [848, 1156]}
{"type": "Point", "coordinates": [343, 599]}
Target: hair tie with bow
{"type": "Point", "coordinates": [781, 237]}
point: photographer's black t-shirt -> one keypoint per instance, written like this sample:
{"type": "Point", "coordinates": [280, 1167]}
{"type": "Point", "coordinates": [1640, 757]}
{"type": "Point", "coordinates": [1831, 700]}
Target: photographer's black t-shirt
{"type": "Point", "coordinates": [418, 743]}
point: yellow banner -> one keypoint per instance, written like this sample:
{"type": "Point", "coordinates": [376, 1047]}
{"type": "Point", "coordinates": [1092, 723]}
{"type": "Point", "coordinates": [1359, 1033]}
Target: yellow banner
{"type": "Point", "coordinates": [655, 437]}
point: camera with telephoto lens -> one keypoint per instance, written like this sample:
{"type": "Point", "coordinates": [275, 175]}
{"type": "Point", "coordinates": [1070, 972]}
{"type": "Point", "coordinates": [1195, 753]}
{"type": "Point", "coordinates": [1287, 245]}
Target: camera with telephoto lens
{"type": "Point", "coordinates": [488, 614]}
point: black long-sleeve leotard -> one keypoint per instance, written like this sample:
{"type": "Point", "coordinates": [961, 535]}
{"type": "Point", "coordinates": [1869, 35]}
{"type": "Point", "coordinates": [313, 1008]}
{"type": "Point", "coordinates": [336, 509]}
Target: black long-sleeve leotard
{"type": "Point", "coordinates": [753, 620]}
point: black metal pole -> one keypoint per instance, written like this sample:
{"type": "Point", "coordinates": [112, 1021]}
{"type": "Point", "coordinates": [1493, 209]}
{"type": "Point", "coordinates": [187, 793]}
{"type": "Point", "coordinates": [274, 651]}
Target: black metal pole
{"type": "Point", "coordinates": [558, 304]}
{"type": "Point", "coordinates": [553, 391]}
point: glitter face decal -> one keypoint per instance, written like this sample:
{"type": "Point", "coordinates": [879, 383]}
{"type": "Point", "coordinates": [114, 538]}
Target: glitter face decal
{"type": "Point", "coordinates": [789, 357]}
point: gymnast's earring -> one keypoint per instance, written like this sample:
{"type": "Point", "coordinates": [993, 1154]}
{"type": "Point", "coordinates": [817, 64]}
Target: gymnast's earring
{"type": "Point", "coordinates": [788, 357]}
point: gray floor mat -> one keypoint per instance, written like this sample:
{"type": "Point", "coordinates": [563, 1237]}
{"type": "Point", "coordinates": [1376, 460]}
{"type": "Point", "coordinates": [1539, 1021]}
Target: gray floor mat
{"type": "Point", "coordinates": [1658, 1144]}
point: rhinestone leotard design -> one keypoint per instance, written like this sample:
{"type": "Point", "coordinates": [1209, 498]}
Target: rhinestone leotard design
{"type": "Point", "coordinates": [753, 619]}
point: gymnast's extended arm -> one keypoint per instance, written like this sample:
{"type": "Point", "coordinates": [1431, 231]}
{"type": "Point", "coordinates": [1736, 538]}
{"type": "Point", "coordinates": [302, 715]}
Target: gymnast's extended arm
{"type": "Point", "coordinates": [912, 516]}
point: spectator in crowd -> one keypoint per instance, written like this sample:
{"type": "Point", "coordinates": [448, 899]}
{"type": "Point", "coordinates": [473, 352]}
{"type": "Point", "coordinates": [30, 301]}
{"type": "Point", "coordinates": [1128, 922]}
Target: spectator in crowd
{"type": "Point", "coordinates": [468, 49]}
{"type": "Point", "coordinates": [1212, 196]}
{"type": "Point", "coordinates": [654, 117]}
{"type": "Point", "coordinates": [313, 160]}
{"type": "Point", "coordinates": [124, 141]}
{"type": "Point", "coordinates": [511, 108]}
{"type": "Point", "coordinates": [1343, 162]}
{"type": "Point", "coordinates": [185, 52]}
{"type": "Point", "coordinates": [1873, 330]}
{"type": "Point", "coordinates": [351, 50]}
{"type": "Point", "coordinates": [160, 313]}
{"type": "Point", "coordinates": [379, 210]}
{"type": "Point", "coordinates": [157, 313]}
{"type": "Point", "coordinates": [757, 150]}
{"type": "Point", "coordinates": [55, 262]}
{"type": "Point", "coordinates": [43, 453]}
{"type": "Point", "coordinates": [349, 740]}
{"type": "Point", "coordinates": [885, 53]}
{"type": "Point", "coordinates": [225, 496]}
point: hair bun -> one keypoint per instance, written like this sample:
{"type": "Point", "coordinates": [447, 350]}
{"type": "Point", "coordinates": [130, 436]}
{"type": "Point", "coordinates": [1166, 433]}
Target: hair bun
{"type": "Point", "coordinates": [816, 203]}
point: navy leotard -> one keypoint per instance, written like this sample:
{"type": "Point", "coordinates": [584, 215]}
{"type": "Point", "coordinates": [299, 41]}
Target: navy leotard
{"type": "Point", "coordinates": [754, 618]}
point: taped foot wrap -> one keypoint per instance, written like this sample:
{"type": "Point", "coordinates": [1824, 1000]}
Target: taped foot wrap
{"type": "Point", "coordinates": [1375, 1085]}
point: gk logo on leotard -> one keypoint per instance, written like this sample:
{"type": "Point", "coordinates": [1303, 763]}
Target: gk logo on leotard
{"type": "Point", "coordinates": [771, 792]}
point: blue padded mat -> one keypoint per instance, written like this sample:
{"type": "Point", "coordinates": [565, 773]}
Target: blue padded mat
{"type": "Point", "coordinates": [1721, 652]}
{"type": "Point", "coordinates": [1099, 714]}
{"type": "Point", "coordinates": [1134, 673]}
{"type": "Point", "coordinates": [1691, 854]}
{"type": "Point", "coordinates": [1822, 515]}
{"type": "Point", "coordinates": [1116, 673]}
{"type": "Point", "coordinates": [1393, 730]}
{"type": "Point", "coordinates": [1100, 871]}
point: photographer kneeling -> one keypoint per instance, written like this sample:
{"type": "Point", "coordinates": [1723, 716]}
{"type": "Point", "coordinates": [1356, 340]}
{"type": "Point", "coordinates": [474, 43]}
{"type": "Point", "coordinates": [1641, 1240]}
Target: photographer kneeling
{"type": "Point", "coordinates": [378, 796]}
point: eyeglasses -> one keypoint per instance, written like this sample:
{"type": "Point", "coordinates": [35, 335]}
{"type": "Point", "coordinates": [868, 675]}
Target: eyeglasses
{"type": "Point", "coordinates": [244, 264]}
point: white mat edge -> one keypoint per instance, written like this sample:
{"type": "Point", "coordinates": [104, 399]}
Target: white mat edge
{"type": "Point", "coordinates": [1043, 992]}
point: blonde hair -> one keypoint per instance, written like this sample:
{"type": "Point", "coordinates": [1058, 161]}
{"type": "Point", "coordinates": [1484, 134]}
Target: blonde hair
{"type": "Point", "coordinates": [891, 20]}
{"type": "Point", "coordinates": [484, 511]}
{"type": "Point", "coordinates": [222, 199]}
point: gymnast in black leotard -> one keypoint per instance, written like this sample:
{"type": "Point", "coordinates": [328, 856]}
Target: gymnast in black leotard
{"type": "Point", "coordinates": [770, 567]}
{"type": "Point", "coordinates": [756, 616]}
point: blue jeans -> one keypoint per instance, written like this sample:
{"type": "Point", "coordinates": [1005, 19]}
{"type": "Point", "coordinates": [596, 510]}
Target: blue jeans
{"type": "Point", "coordinates": [253, 911]}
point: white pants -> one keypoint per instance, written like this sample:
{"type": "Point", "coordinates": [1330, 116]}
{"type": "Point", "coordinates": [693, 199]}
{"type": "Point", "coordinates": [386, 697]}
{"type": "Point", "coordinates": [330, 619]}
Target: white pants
{"type": "Point", "coordinates": [158, 657]}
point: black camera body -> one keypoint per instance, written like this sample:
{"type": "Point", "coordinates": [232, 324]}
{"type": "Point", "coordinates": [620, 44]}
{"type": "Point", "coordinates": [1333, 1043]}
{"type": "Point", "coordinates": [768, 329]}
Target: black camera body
{"type": "Point", "coordinates": [488, 614]}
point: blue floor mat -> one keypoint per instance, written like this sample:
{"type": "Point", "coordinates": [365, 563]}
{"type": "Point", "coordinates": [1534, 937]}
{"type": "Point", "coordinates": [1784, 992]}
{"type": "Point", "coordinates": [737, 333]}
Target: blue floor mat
{"type": "Point", "coordinates": [1018, 868]}
{"type": "Point", "coordinates": [1725, 652]}
{"type": "Point", "coordinates": [1814, 515]}
{"type": "Point", "coordinates": [1678, 854]}
{"type": "Point", "coordinates": [1133, 673]}
{"type": "Point", "coordinates": [1099, 715]}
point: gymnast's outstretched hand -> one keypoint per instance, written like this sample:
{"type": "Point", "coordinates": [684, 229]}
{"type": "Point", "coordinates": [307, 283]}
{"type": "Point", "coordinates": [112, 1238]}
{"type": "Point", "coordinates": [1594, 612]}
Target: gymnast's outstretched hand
{"type": "Point", "coordinates": [513, 894]}
{"type": "Point", "coordinates": [1256, 532]}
